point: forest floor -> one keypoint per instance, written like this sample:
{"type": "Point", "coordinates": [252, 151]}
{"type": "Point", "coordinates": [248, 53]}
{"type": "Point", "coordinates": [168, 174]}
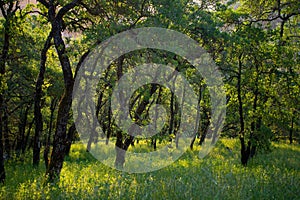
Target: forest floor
{"type": "Point", "coordinates": [272, 175]}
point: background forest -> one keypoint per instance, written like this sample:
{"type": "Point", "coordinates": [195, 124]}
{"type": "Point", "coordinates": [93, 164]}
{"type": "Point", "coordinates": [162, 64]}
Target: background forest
{"type": "Point", "coordinates": [256, 46]}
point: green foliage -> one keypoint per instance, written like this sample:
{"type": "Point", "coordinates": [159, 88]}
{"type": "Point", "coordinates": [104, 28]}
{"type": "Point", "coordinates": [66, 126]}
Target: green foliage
{"type": "Point", "coordinates": [260, 36]}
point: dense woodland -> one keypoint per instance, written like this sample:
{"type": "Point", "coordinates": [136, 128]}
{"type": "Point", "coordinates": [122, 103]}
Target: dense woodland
{"type": "Point", "coordinates": [255, 44]}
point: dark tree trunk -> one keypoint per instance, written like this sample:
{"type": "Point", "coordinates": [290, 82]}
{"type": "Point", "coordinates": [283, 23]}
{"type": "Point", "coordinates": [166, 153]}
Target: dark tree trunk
{"type": "Point", "coordinates": [24, 145]}
{"type": "Point", "coordinates": [291, 130]}
{"type": "Point", "coordinates": [171, 123]}
{"type": "Point", "coordinates": [2, 169]}
{"type": "Point", "coordinates": [153, 142]}
{"type": "Point", "coordinates": [48, 137]}
{"type": "Point", "coordinates": [121, 150]}
{"type": "Point", "coordinates": [255, 124]}
{"type": "Point", "coordinates": [7, 145]}
{"type": "Point", "coordinates": [245, 151]}
{"type": "Point", "coordinates": [22, 129]}
{"type": "Point", "coordinates": [71, 134]}
{"type": "Point", "coordinates": [202, 138]}
{"type": "Point", "coordinates": [141, 107]}
{"type": "Point", "coordinates": [120, 155]}
{"type": "Point", "coordinates": [37, 103]}
{"type": "Point", "coordinates": [3, 59]}
{"type": "Point", "coordinates": [121, 147]}
{"type": "Point", "coordinates": [177, 135]}
{"type": "Point", "coordinates": [8, 10]}
{"type": "Point", "coordinates": [196, 130]}
{"type": "Point", "coordinates": [108, 130]}
{"type": "Point", "coordinates": [60, 137]}
{"type": "Point", "coordinates": [93, 138]}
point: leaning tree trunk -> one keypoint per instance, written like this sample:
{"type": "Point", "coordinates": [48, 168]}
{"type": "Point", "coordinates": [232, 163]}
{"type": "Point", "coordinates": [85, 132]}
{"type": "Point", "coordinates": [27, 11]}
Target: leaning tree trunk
{"type": "Point", "coordinates": [60, 137]}
{"type": "Point", "coordinates": [37, 103]}
{"type": "Point", "coordinates": [123, 146]}
{"type": "Point", "coordinates": [60, 140]}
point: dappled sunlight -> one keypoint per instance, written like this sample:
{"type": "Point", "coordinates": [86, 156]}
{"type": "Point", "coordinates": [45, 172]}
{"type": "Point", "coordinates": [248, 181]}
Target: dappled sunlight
{"type": "Point", "coordinates": [218, 175]}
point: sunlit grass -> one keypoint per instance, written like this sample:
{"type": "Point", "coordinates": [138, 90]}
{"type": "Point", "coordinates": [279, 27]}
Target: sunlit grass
{"type": "Point", "coordinates": [274, 175]}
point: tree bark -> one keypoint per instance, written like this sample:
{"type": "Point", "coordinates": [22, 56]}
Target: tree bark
{"type": "Point", "coordinates": [245, 151]}
{"type": "Point", "coordinates": [60, 137]}
{"type": "Point", "coordinates": [7, 145]}
{"type": "Point", "coordinates": [254, 123]}
{"type": "Point", "coordinates": [24, 145]}
{"type": "Point", "coordinates": [291, 130]}
{"type": "Point", "coordinates": [22, 129]}
{"type": "Point", "coordinates": [197, 118]}
{"type": "Point", "coordinates": [2, 169]}
{"type": "Point", "coordinates": [71, 134]}
{"type": "Point", "coordinates": [37, 103]}
{"type": "Point", "coordinates": [8, 10]}
{"type": "Point", "coordinates": [48, 138]}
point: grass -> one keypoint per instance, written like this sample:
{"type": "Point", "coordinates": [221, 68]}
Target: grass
{"type": "Point", "coordinates": [274, 175]}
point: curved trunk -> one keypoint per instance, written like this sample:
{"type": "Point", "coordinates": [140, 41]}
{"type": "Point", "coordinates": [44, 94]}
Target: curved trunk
{"type": "Point", "coordinates": [37, 103]}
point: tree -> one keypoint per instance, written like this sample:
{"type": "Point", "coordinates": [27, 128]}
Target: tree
{"type": "Point", "coordinates": [8, 10]}
{"type": "Point", "coordinates": [37, 101]}
{"type": "Point", "coordinates": [60, 138]}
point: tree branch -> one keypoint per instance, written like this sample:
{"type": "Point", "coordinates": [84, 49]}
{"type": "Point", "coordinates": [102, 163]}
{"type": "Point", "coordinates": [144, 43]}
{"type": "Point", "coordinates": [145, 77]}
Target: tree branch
{"type": "Point", "coordinates": [66, 8]}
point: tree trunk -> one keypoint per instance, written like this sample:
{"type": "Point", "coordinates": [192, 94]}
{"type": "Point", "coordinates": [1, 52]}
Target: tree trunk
{"type": "Point", "coordinates": [60, 140]}
{"type": "Point", "coordinates": [121, 147]}
{"type": "Point", "coordinates": [8, 10]}
{"type": "Point", "coordinates": [108, 130]}
{"type": "Point", "coordinates": [197, 118]}
{"type": "Point", "coordinates": [37, 103]}
{"type": "Point", "coordinates": [48, 137]}
{"type": "Point", "coordinates": [24, 145]}
{"type": "Point", "coordinates": [94, 135]}
{"type": "Point", "coordinates": [291, 130]}
{"type": "Point", "coordinates": [153, 142]}
{"type": "Point", "coordinates": [7, 146]}
{"type": "Point", "coordinates": [22, 130]}
{"type": "Point", "coordinates": [177, 135]}
{"type": "Point", "coordinates": [171, 123]}
{"type": "Point", "coordinates": [255, 124]}
{"type": "Point", "coordinates": [121, 150]}
{"type": "Point", "coordinates": [60, 137]}
{"type": "Point", "coordinates": [71, 134]}
{"type": "Point", "coordinates": [2, 169]}
{"type": "Point", "coordinates": [245, 151]}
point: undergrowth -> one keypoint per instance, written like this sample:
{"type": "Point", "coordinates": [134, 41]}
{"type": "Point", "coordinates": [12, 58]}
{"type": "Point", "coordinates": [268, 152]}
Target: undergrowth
{"type": "Point", "coordinates": [273, 175]}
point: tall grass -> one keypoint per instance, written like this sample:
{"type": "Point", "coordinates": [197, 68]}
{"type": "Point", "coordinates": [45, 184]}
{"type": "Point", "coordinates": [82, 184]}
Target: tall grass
{"type": "Point", "coordinates": [274, 175]}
